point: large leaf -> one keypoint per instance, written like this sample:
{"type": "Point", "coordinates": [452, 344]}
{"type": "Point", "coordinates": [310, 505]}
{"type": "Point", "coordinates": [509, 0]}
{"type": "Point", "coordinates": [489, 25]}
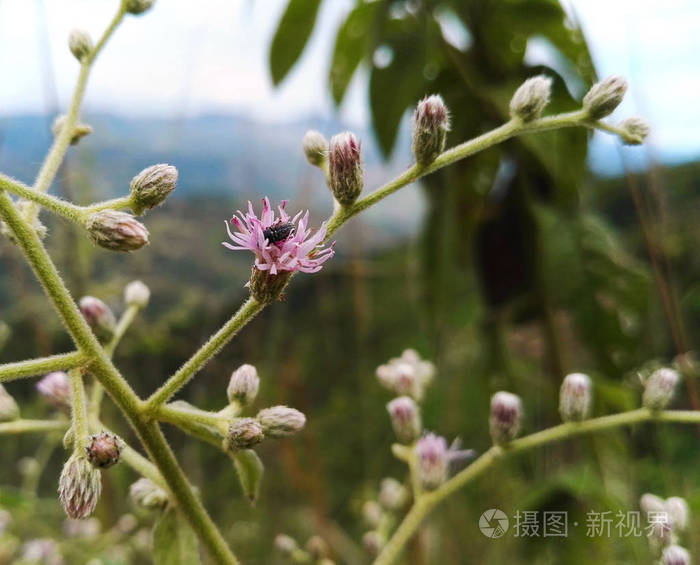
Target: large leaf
{"type": "Point", "coordinates": [291, 36]}
{"type": "Point", "coordinates": [250, 471]}
{"type": "Point", "coordinates": [174, 542]}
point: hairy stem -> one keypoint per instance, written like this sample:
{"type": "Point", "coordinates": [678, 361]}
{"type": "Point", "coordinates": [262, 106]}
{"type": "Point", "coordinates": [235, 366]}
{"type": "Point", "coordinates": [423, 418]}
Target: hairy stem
{"type": "Point", "coordinates": [34, 367]}
{"type": "Point", "coordinates": [61, 207]}
{"type": "Point", "coordinates": [31, 426]}
{"type": "Point", "coordinates": [79, 410]}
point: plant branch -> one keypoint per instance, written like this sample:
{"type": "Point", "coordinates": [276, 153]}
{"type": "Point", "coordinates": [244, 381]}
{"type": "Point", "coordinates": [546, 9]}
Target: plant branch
{"type": "Point", "coordinates": [78, 410]}
{"type": "Point", "coordinates": [34, 367]}
{"type": "Point", "coordinates": [61, 207]}
{"type": "Point", "coordinates": [31, 426]}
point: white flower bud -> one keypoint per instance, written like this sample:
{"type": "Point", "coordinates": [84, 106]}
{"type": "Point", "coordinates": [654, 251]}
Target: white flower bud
{"type": "Point", "coordinates": [244, 384]}
{"type": "Point", "coordinates": [431, 122]}
{"type": "Point", "coordinates": [137, 7]}
{"type": "Point", "coordinates": [575, 397]}
{"type": "Point", "coordinates": [675, 555]}
{"type": "Point", "coordinates": [116, 231]}
{"type": "Point", "coordinates": [152, 186]}
{"type": "Point", "coordinates": [651, 503]}
{"type": "Point", "coordinates": [373, 542]}
{"type": "Point", "coordinates": [136, 294]}
{"type": "Point", "coordinates": [243, 433]}
{"type": "Point", "coordinates": [372, 513]}
{"type": "Point", "coordinates": [531, 98]}
{"type": "Point", "coordinates": [433, 460]}
{"type": "Point", "coordinates": [8, 407]}
{"type": "Point", "coordinates": [405, 419]}
{"type": "Point", "coordinates": [634, 131]}
{"type": "Point", "coordinates": [345, 168]}
{"type": "Point", "coordinates": [392, 494]}
{"type": "Point", "coordinates": [280, 421]}
{"type": "Point", "coordinates": [80, 44]}
{"type": "Point", "coordinates": [79, 487]}
{"type": "Point", "coordinates": [604, 97]}
{"type": "Point", "coordinates": [678, 513]}
{"type": "Point", "coordinates": [147, 494]}
{"type": "Point", "coordinates": [315, 147]}
{"type": "Point", "coordinates": [286, 544]}
{"type": "Point", "coordinates": [659, 388]}
{"type": "Point", "coordinates": [504, 420]}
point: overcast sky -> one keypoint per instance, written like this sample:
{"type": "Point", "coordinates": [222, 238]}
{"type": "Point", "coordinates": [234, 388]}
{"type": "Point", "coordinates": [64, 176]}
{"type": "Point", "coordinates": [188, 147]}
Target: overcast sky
{"type": "Point", "coordinates": [187, 57]}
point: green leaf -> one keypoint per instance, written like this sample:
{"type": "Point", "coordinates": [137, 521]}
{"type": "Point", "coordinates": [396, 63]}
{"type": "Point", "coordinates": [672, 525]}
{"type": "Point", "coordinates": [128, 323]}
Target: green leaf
{"type": "Point", "coordinates": [291, 36]}
{"type": "Point", "coordinates": [174, 542]}
{"type": "Point", "coordinates": [250, 471]}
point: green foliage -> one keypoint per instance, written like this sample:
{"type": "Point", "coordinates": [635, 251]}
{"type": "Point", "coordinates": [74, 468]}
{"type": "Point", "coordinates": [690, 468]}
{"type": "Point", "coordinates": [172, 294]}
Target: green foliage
{"type": "Point", "coordinates": [174, 542]}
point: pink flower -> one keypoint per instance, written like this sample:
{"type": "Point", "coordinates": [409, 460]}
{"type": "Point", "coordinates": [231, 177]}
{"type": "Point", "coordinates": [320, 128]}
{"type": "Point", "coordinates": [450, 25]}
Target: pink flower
{"type": "Point", "coordinates": [280, 243]}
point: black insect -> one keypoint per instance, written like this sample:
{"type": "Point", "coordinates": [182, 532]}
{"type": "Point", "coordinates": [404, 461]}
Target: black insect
{"type": "Point", "coordinates": [278, 232]}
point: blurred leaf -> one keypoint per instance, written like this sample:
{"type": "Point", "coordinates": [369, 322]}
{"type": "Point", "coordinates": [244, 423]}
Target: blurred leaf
{"type": "Point", "coordinates": [291, 36]}
{"type": "Point", "coordinates": [174, 542]}
{"type": "Point", "coordinates": [250, 472]}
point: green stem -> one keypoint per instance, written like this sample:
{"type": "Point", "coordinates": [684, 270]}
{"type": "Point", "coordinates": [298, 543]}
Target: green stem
{"type": "Point", "coordinates": [79, 410]}
{"type": "Point", "coordinates": [66, 209]}
{"type": "Point", "coordinates": [31, 426]}
{"type": "Point", "coordinates": [115, 204]}
{"type": "Point", "coordinates": [41, 366]}
{"type": "Point", "coordinates": [178, 416]}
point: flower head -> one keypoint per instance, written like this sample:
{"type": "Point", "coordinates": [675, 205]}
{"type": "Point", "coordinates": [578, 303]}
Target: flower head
{"type": "Point", "coordinates": [433, 459]}
{"type": "Point", "coordinates": [345, 167]}
{"type": "Point", "coordinates": [431, 122]}
{"type": "Point", "coordinates": [79, 487]}
{"type": "Point", "coordinates": [407, 375]}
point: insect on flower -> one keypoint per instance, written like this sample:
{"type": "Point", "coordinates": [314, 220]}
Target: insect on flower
{"type": "Point", "coordinates": [278, 231]}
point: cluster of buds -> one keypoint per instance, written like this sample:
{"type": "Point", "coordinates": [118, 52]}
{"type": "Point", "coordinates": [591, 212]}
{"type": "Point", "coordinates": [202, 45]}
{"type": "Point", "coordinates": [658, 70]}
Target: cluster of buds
{"type": "Point", "coordinates": [407, 375]}
{"type": "Point", "coordinates": [345, 168]}
{"type": "Point", "coordinates": [8, 406]}
{"type": "Point", "coordinates": [575, 397]}
{"type": "Point", "coordinates": [152, 186]}
{"type": "Point", "coordinates": [505, 417]}
{"type": "Point", "coordinates": [431, 122]}
{"type": "Point", "coordinates": [80, 130]}
{"type": "Point", "coordinates": [99, 317]}
{"type": "Point", "coordinates": [668, 519]}
{"type": "Point", "coordinates": [79, 486]}
{"type": "Point", "coordinates": [315, 551]}
{"type": "Point", "coordinates": [381, 513]}
{"type": "Point", "coordinates": [659, 388]}
{"type": "Point", "coordinates": [116, 230]}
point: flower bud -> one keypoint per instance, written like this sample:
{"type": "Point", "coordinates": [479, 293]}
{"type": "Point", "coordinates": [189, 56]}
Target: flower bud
{"type": "Point", "coordinates": [678, 513]}
{"type": "Point", "coordinates": [634, 131]}
{"type": "Point", "coordinates": [267, 288]}
{"type": "Point", "coordinates": [280, 421]}
{"type": "Point", "coordinates": [244, 384]}
{"type": "Point", "coordinates": [315, 147]}
{"type": "Point", "coordinates": [675, 555]}
{"type": "Point", "coordinates": [659, 388]}
{"type": "Point", "coordinates": [80, 130]}
{"type": "Point", "coordinates": [373, 542]}
{"type": "Point", "coordinates": [152, 186]}
{"type": "Point", "coordinates": [531, 98]}
{"type": "Point", "coordinates": [604, 97]}
{"type": "Point", "coordinates": [432, 456]}
{"type": "Point", "coordinates": [285, 544]}
{"type": "Point", "coordinates": [504, 421]}
{"type": "Point", "coordinates": [104, 449]}
{"type": "Point", "coordinates": [407, 375]}
{"type": "Point", "coordinates": [651, 503]}
{"type": "Point", "coordinates": [99, 317]}
{"type": "Point", "coordinates": [317, 548]}
{"type": "Point", "coordinates": [117, 231]}
{"type": "Point", "coordinates": [55, 387]}
{"type": "Point", "coordinates": [575, 397]}
{"type": "Point", "coordinates": [79, 487]}
{"type": "Point", "coordinates": [147, 494]}
{"type": "Point", "coordinates": [431, 122]}
{"type": "Point", "coordinates": [372, 513]}
{"type": "Point", "coordinates": [137, 7]}
{"type": "Point", "coordinates": [243, 433]}
{"type": "Point", "coordinates": [80, 44]}
{"type": "Point", "coordinates": [136, 294]}
{"type": "Point", "coordinates": [345, 168]}
{"type": "Point", "coordinates": [405, 419]}
{"type": "Point", "coordinates": [392, 494]}
{"type": "Point", "coordinates": [8, 407]}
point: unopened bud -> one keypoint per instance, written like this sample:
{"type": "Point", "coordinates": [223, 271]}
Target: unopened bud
{"type": "Point", "coordinates": [575, 397]}
{"type": "Point", "coordinates": [152, 186]}
{"type": "Point", "coordinates": [147, 494]}
{"type": "Point", "coordinates": [504, 420]}
{"type": "Point", "coordinates": [99, 317]}
{"type": "Point", "coordinates": [431, 122]}
{"type": "Point", "coordinates": [137, 294]}
{"type": "Point", "coordinates": [659, 388]}
{"type": "Point", "coordinates": [315, 147]}
{"type": "Point", "coordinates": [531, 98]}
{"type": "Point", "coordinates": [80, 130]}
{"type": "Point", "coordinates": [243, 433]}
{"type": "Point", "coordinates": [267, 288]}
{"type": "Point", "coordinates": [8, 407]}
{"type": "Point", "coordinates": [373, 542]}
{"type": "Point", "coordinates": [675, 555]}
{"type": "Point", "coordinates": [392, 494]}
{"type": "Point", "coordinates": [79, 487]}
{"type": "Point", "coordinates": [104, 449]}
{"type": "Point", "coordinates": [651, 503]}
{"type": "Point", "coordinates": [137, 7]}
{"type": "Point", "coordinates": [345, 168]}
{"type": "Point", "coordinates": [405, 419]}
{"type": "Point", "coordinates": [604, 97]}
{"type": "Point", "coordinates": [407, 375]}
{"type": "Point", "coordinates": [432, 457]}
{"type": "Point", "coordinates": [55, 387]}
{"type": "Point", "coordinates": [317, 547]}
{"type": "Point", "coordinates": [280, 421]}
{"type": "Point", "coordinates": [244, 384]}
{"type": "Point", "coordinates": [117, 231]}
{"type": "Point", "coordinates": [634, 131]}
{"type": "Point", "coordinates": [678, 513]}
{"type": "Point", "coordinates": [285, 544]}
{"type": "Point", "coordinates": [80, 44]}
{"type": "Point", "coordinates": [372, 513]}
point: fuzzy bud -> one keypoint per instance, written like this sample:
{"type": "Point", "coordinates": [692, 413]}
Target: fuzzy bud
{"type": "Point", "coordinates": [267, 288]}
{"type": "Point", "coordinates": [345, 168]}
{"type": "Point", "coordinates": [79, 487]}
{"type": "Point", "coordinates": [678, 513]}
{"type": "Point", "coordinates": [152, 186]}
{"type": "Point", "coordinates": [317, 548]}
{"type": "Point", "coordinates": [372, 513]}
{"type": "Point", "coordinates": [244, 384]}
{"type": "Point", "coordinates": [147, 494]}
{"type": "Point", "coordinates": [117, 231]}
{"type": "Point", "coordinates": [55, 387]}
{"type": "Point", "coordinates": [99, 317]}
{"type": "Point", "coordinates": [80, 44]}
{"type": "Point", "coordinates": [531, 98]}
{"type": "Point", "coordinates": [373, 542]}
{"type": "Point", "coordinates": [675, 555]}
{"type": "Point", "coordinates": [315, 147]}
{"type": "Point", "coordinates": [405, 419]}
{"type": "Point", "coordinates": [285, 544]}
{"type": "Point", "coordinates": [392, 494]}
{"type": "Point", "coordinates": [80, 130]}
{"type": "Point", "coordinates": [651, 503]}
{"type": "Point", "coordinates": [604, 97]}
{"type": "Point", "coordinates": [504, 420]}
{"type": "Point", "coordinates": [104, 449]}
{"type": "Point", "coordinates": [136, 294]}
{"type": "Point", "coordinates": [137, 7]}
{"type": "Point", "coordinates": [431, 122]}
{"type": "Point", "coordinates": [634, 131]}
{"type": "Point", "coordinates": [280, 421]}
{"type": "Point", "coordinates": [407, 375]}
{"type": "Point", "coordinates": [575, 397]}
{"type": "Point", "coordinates": [659, 388]}
{"type": "Point", "coordinates": [8, 407]}
{"type": "Point", "coordinates": [243, 433]}
{"type": "Point", "coordinates": [433, 460]}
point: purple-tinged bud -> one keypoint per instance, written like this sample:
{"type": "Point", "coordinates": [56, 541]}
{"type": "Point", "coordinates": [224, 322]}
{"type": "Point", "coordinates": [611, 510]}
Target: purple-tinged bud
{"type": "Point", "coordinates": [147, 494]}
{"type": "Point", "coordinates": [373, 542]}
{"type": "Point", "coordinates": [152, 186]}
{"type": "Point", "coordinates": [405, 419]}
{"type": "Point", "coordinates": [104, 449]}
{"type": "Point", "coordinates": [285, 544]}
{"type": "Point", "coordinates": [243, 433]}
{"type": "Point", "coordinates": [315, 147]}
{"type": "Point", "coordinates": [392, 494]}
{"type": "Point", "coordinates": [345, 168]}
{"type": "Point", "coordinates": [575, 397]}
{"type": "Point", "coordinates": [372, 513]}
{"type": "Point", "coordinates": [675, 555]}
{"type": "Point", "coordinates": [244, 384]}
{"type": "Point", "coordinates": [604, 97]}
{"type": "Point", "coordinates": [678, 513]}
{"type": "Point", "coordinates": [55, 387]}
{"type": "Point", "coordinates": [137, 294]}
{"type": "Point", "coordinates": [433, 460]}
{"type": "Point", "coordinates": [80, 130]}
{"type": "Point", "coordinates": [659, 388]}
{"type": "Point", "coordinates": [117, 231]}
{"type": "Point", "coordinates": [317, 548]}
{"type": "Point", "coordinates": [80, 44]}
{"type": "Point", "coordinates": [504, 420]}
{"type": "Point", "coordinates": [634, 131]}
{"type": "Point", "coordinates": [79, 487]}
{"type": "Point", "coordinates": [99, 317]}
{"type": "Point", "coordinates": [431, 122]}
{"type": "Point", "coordinates": [531, 98]}
{"type": "Point", "coordinates": [280, 421]}
{"type": "Point", "coordinates": [8, 407]}
{"type": "Point", "coordinates": [137, 7]}
{"type": "Point", "coordinates": [407, 375]}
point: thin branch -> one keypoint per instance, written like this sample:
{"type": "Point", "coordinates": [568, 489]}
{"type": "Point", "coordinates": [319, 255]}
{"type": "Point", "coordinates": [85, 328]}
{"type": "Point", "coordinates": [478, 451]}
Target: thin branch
{"type": "Point", "coordinates": [31, 426]}
{"type": "Point", "coordinates": [41, 366]}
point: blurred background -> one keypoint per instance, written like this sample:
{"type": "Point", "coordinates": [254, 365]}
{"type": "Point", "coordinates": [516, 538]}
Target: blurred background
{"type": "Point", "coordinates": [553, 253]}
